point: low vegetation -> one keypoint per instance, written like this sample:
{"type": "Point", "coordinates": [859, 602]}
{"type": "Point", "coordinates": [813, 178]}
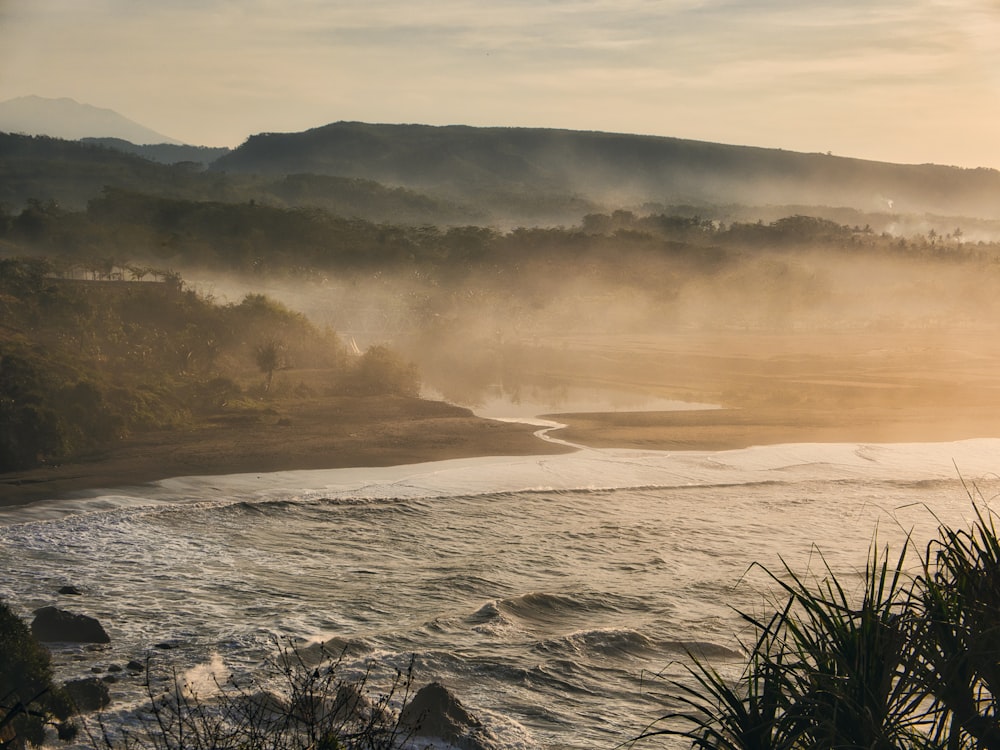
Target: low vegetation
{"type": "Point", "coordinates": [87, 361]}
{"type": "Point", "coordinates": [908, 662]}
{"type": "Point", "coordinates": [299, 700]}
{"type": "Point", "coordinates": [29, 701]}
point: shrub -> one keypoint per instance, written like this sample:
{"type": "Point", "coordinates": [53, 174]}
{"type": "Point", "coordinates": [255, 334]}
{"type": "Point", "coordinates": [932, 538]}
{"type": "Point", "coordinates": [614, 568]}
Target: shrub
{"type": "Point", "coordinates": [28, 699]}
{"type": "Point", "coordinates": [914, 664]}
{"type": "Point", "coordinates": [380, 371]}
{"type": "Point", "coordinates": [299, 701]}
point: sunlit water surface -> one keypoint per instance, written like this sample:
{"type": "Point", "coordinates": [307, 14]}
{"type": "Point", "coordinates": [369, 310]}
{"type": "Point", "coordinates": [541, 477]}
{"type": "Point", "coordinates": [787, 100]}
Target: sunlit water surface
{"type": "Point", "coordinates": [552, 594]}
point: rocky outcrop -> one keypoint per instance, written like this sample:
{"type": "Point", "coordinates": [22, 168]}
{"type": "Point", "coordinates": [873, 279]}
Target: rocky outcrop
{"type": "Point", "coordinates": [54, 625]}
{"type": "Point", "coordinates": [435, 713]}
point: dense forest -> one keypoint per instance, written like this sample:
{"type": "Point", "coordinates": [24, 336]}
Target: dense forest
{"type": "Point", "coordinates": [475, 305]}
{"type": "Point", "coordinates": [87, 361]}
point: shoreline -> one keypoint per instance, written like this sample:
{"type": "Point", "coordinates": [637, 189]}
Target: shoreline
{"type": "Point", "coordinates": [337, 433]}
{"type": "Point", "coordinates": [732, 429]}
{"type": "Point", "coordinates": [327, 433]}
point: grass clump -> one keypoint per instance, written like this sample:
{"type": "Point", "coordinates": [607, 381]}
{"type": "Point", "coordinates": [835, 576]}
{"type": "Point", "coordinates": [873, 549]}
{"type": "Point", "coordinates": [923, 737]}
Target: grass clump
{"type": "Point", "coordinates": [912, 661]}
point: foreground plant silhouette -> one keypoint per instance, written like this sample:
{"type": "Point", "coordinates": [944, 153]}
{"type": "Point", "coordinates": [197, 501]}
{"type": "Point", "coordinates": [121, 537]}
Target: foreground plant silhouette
{"type": "Point", "coordinates": [914, 664]}
{"type": "Point", "coordinates": [296, 703]}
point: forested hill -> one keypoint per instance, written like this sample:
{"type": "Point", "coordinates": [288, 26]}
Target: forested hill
{"type": "Point", "coordinates": [610, 169]}
{"type": "Point", "coordinates": [456, 175]}
{"type": "Point", "coordinates": [70, 174]}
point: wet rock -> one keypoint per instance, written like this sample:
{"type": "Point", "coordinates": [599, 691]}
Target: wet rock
{"type": "Point", "coordinates": [70, 591]}
{"type": "Point", "coordinates": [114, 668]}
{"type": "Point", "coordinates": [166, 645]}
{"type": "Point", "coordinates": [351, 705]}
{"type": "Point", "coordinates": [52, 624]}
{"type": "Point", "coordinates": [434, 712]}
{"type": "Point", "coordinates": [265, 709]}
{"type": "Point", "coordinates": [135, 666]}
{"type": "Point", "coordinates": [348, 705]}
{"type": "Point", "coordinates": [88, 694]}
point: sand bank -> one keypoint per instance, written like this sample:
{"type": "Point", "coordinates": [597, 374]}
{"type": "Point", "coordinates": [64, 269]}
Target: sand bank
{"type": "Point", "coordinates": [339, 433]}
{"type": "Point", "coordinates": [309, 434]}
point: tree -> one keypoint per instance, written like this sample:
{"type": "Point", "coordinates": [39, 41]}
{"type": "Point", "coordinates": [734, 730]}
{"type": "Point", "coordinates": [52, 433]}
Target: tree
{"type": "Point", "coordinates": [268, 356]}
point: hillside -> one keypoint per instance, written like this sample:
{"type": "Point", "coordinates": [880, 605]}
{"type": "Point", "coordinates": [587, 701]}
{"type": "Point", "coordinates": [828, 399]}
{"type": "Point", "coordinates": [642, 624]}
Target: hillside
{"type": "Point", "coordinates": [72, 173]}
{"type": "Point", "coordinates": [502, 177]}
{"type": "Point", "coordinates": [609, 169]}
{"type": "Point", "coordinates": [88, 359]}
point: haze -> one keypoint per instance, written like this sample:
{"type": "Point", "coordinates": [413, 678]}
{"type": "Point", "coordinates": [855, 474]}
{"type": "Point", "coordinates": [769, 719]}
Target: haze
{"type": "Point", "coordinates": [892, 81]}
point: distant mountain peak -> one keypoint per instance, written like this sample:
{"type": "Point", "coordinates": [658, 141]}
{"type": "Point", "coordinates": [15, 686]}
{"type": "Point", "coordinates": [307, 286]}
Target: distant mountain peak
{"type": "Point", "coordinates": [67, 118]}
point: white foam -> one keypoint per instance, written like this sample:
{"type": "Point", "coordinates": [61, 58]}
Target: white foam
{"type": "Point", "coordinates": [975, 461]}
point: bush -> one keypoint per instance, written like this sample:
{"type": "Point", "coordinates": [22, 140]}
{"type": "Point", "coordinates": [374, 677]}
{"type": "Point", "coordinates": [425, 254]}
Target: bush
{"type": "Point", "coordinates": [28, 699]}
{"type": "Point", "coordinates": [914, 664]}
{"type": "Point", "coordinates": [299, 701]}
{"type": "Point", "coordinates": [380, 371]}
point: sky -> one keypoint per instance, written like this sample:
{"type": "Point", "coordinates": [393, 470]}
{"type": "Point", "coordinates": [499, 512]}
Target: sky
{"type": "Point", "coordinates": [912, 81]}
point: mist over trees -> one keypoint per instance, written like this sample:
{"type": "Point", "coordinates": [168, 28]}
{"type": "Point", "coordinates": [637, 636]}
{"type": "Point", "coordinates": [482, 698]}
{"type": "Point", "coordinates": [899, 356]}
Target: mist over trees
{"type": "Point", "coordinates": [87, 362]}
{"type": "Point", "coordinates": [471, 252]}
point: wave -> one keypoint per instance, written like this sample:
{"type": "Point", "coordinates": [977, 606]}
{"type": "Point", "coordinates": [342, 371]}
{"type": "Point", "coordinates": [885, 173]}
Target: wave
{"type": "Point", "coordinates": [614, 642]}
{"type": "Point", "coordinates": [544, 608]}
{"type": "Point", "coordinates": [498, 477]}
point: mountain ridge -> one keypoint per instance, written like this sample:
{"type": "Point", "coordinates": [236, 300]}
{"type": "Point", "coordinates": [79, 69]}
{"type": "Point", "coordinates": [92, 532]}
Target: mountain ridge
{"type": "Point", "coordinates": [69, 119]}
{"type": "Point", "coordinates": [461, 160]}
{"type": "Point", "coordinates": [498, 175]}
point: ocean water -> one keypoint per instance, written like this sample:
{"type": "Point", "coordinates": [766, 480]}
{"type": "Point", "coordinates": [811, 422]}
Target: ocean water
{"type": "Point", "coordinates": [556, 596]}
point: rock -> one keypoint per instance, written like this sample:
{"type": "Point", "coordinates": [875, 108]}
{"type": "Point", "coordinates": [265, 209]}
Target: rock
{"type": "Point", "coordinates": [269, 710]}
{"type": "Point", "coordinates": [351, 705]}
{"type": "Point", "coordinates": [435, 712]}
{"type": "Point", "coordinates": [166, 645]}
{"type": "Point", "coordinates": [88, 694]}
{"type": "Point", "coordinates": [114, 668]}
{"type": "Point", "coordinates": [70, 591]}
{"type": "Point", "coordinates": [56, 625]}
{"type": "Point", "coordinates": [135, 666]}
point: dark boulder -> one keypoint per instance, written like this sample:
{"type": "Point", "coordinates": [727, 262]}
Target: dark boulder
{"type": "Point", "coordinates": [70, 591]}
{"type": "Point", "coordinates": [434, 712]}
{"type": "Point", "coordinates": [88, 694]}
{"type": "Point", "coordinates": [56, 625]}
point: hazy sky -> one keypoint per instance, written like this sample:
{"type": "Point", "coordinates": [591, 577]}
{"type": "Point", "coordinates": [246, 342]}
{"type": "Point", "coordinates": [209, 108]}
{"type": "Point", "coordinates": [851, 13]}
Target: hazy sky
{"type": "Point", "coordinates": [906, 81]}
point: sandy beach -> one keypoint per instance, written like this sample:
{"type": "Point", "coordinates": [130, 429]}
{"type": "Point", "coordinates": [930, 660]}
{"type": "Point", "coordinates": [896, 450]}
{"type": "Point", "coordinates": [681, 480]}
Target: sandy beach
{"type": "Point", "coordinates": [338, 433]}
{"type": "Point", "coordinates": [322, 433]}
